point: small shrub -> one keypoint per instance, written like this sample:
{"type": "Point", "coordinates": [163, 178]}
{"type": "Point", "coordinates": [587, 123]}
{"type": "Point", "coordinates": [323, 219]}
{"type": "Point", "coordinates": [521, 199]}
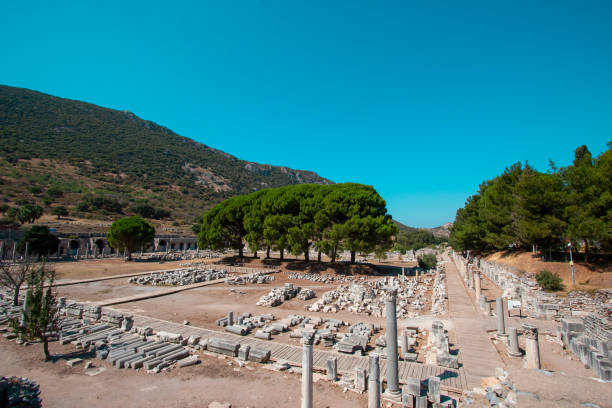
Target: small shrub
{"type": "Point", "coordinates": [549, 281]}
{"type": "Point", "coordinates": [428, 261]}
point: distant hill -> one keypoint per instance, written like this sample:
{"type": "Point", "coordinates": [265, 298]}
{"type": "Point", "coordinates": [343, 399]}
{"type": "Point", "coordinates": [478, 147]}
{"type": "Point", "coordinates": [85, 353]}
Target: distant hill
{"type": "Point", "coordinates": [62, 151]}
{"type": "Point", "coordinates": [442, 231]}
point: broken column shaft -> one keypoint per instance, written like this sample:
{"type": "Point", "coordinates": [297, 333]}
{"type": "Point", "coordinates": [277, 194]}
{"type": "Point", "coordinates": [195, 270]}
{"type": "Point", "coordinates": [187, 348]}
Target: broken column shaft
{"type": "Point", "coordinates": [532, 349]}
{"type": "Point", "coordinates": [501, 321]}
{"type": "Point", "coordinates": [374, 382]}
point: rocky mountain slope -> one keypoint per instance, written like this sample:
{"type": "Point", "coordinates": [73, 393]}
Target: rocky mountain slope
{"type": "Point", "coordinates": [60, 151]}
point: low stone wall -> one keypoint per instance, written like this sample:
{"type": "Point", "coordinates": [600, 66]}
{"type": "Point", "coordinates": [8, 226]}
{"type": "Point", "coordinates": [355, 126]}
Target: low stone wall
{"type": "Point", "coordinates": [535, 302]}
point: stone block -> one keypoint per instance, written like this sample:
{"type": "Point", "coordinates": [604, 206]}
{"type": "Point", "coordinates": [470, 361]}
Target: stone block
{"type": "Point", "coordinates": [187, 361]}
{"type": "Point", "coordinates": [259, 355]}
{"type": "Point", "coordinates": [332, 369]}
{"type": "Point", "coordinates": [421, 402]}
{"type": "Point", "coordinates": [74, 361]}
{"type": "Point", "coordinates": [222, 346]}
{"type": "Point", "coordinates": [243, 352]}
{"type": "Point", "coordinates": [361, 379]}
{"type": "Point", "coordinates": [412, 386]}
{"type": "Point", "coordinates": [433, 389]}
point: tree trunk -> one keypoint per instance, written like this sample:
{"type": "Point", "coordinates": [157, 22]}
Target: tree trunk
{"type": "Point", "coordinates": [46, 348]}
{"type": "Point", "coordinates": [240, 251]}
{"type": "Point", "coordinates": [282, 254]}
{"type": "Point", "coordinates": [319, 256]}
{"type": "Point", "coordinates": [352, 257]}
{"type": "Point", "coordinates": [333, 257]}
{"type": "Point", "coordinates": [129, 255]}
{"type": "Point", "coordinates": [586, 251]}
{"type": "Point", "coordinates": [268, 253]}
{"type": "Point", "coordinates": [16, 297]}
{"type": "Point", "coordinates": [307, 253]}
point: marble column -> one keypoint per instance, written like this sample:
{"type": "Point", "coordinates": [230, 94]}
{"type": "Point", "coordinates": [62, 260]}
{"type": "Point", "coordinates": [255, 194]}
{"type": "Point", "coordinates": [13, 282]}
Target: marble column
{"type": "Point", "coordinates": [307, 341]}
{"type": "Point", "coordinates": [532, 349]}
{"type": "Point", "coordinates": [393, 391]}
{"type": "Point", "coordinates": [230, 318]}
{"type": "Point", "coordinates": [477, 284]}
{"type": "Point", "coordinates": [27, 250]}
{"type": "Point", "coordinates": [374, 382]}
{"type": "Point", "coordinates": [513, 347]}
{"type": "Point", "coordinates": [501, 318]}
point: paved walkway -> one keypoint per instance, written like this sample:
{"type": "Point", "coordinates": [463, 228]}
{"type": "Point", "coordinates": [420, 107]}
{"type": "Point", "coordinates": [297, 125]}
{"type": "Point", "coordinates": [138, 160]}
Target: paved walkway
{"type": "Point", "coordinates": [476, 353]}
{"type": "Point", "coordinates": [451, 380]}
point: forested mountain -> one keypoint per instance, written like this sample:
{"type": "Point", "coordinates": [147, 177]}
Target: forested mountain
{"type": "Point", "coordinates": [106, 161]}
{"type": "Point", "coordinates": [525, 208]}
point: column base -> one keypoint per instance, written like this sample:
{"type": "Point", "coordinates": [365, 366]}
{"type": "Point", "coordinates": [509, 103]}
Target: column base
{"type": "Point", "coordinates": [503, 337]}
{"type": "Point", "coordinates": [393, 396]}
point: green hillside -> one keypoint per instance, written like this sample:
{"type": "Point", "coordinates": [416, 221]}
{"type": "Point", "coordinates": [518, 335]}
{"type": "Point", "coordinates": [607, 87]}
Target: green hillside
{"type": "Point", "coordinates": [58, 151]}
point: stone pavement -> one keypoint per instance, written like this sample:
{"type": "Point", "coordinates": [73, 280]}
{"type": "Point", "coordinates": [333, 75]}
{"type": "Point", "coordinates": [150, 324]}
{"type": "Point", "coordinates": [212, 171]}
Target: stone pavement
{"type": "Point", "coordinates": [476, 353]}
{"type": "Point", "coordinates": [450, 379]}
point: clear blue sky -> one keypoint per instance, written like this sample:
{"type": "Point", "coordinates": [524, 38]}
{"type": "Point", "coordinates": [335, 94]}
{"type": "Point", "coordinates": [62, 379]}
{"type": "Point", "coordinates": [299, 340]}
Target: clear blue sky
{"type": "Point", "coordinates": [422, 100]}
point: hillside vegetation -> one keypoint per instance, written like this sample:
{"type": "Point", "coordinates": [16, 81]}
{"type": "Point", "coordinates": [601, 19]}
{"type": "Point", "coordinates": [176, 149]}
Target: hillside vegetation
{"type": "Point", "coordinates": [99, 162]}
{"type": "Point", "coordinates": [527, 209]}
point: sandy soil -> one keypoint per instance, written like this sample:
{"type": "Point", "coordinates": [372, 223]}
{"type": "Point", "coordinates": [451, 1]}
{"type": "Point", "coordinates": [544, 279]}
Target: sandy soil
{"type": "Point", "coordinates": [97, 268]}
{"type": "Point", "coordinates": [587, 275]}
{"type": "Point", "coordinates": [196, 386]}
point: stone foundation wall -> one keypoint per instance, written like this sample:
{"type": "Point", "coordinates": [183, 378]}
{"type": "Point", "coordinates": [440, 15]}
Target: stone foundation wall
{"type": "Point", "coordinates": [535, 302]}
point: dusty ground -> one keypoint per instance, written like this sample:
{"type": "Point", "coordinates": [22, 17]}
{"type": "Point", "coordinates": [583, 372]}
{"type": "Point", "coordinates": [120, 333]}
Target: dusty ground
{"type": "Point", "coordinates": [196, 386]}
{"type": "Point", "coordinates": [203, 306]}
{"type": "Point", "coordinates": [97, 268]}
{"type": "Point", "coordinates": [587, 276]}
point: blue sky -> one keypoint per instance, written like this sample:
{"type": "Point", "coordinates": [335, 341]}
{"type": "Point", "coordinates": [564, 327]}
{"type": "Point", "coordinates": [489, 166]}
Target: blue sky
{"type": "Point", "coordinates": [422, 100]}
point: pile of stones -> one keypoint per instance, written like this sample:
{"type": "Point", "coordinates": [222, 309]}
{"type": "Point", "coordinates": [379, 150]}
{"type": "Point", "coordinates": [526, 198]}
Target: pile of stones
{"type": "Point", "coordinates": [438, 339]}
{"type": "Point", "coordinates": [407, 342]}
{"type": "Point", "coordinates": [325, 278]}
{"type": "Point", "coordinates": [356, 339]}
{"type": "Point", "coordinates": [366, 297]}
{"type": "Point", "coordinates": [179, 277]}
{"type": "Point", "coordinates": [19, 392]}
{"type": "Point", "coordinates": [306, 294]}
{"type": "Point", "coordinates": [7, 310]}
{"type": "Point", "coordinates": [439, 296]}
{"type": "Point", "coordinates": [278, 295]}
{"type": "Point", "coordinates": [259, 278]}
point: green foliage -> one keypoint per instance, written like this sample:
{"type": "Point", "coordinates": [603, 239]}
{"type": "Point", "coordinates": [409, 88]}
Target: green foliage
{"type": "Point", "coordinates": [4, 208]}
{"type": "Point", "coordinates": [117, 149]}
{"type": "Point", "coordinates": [41, 317]}
{"type": "Point", "coordinates": [27, 213]}
{"type": "Point", "coordinates": [524, 207]}
{"type": "Point", "coordinates": [147, 211]}
{"type": "Point", "coordinates": [130, 234]}
{"type": "Point", "coordinates": [427, 261]}
{"type": "Point", "coordinates": [100, 203]}
{"type": "Point", "coordinates": [40, 241]}
{"type": "Point", "coordinates": [59, 211]}
{"type": "Point", "coordinates": [416, 239]}
{"type": "Point", "coordinates": [297, 218]}
{"type": "Point", "coordinates": [549, 281]}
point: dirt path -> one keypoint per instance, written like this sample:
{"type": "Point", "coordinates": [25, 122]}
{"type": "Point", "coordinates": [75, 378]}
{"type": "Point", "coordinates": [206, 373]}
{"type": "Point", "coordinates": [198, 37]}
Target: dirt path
{"type": "Point", "coordinates": [196, 386]}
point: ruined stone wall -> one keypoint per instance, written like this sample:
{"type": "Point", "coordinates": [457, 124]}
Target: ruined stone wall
{"type": "Point", "coordinates": [534, 301]}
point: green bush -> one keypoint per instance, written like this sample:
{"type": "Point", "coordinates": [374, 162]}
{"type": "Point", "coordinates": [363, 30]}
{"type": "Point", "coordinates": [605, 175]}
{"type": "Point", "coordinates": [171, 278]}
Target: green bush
{"type": "Point", "coordinates": [427, 261]}
{"type": "Point", "coordinates": [549, 281]}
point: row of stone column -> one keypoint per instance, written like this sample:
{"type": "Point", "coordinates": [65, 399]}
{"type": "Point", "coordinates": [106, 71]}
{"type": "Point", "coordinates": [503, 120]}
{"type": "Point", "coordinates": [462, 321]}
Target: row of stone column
{"type": "Point", "coordinates": [532, 349]}
{"type": "Point", "coordinates": [392, 392]}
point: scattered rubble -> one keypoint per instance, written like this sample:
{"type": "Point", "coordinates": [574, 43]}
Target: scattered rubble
{"type": "Point", "coordinates": [179, 277]}
{"type": "Point", "coordinates": [366, 297]}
